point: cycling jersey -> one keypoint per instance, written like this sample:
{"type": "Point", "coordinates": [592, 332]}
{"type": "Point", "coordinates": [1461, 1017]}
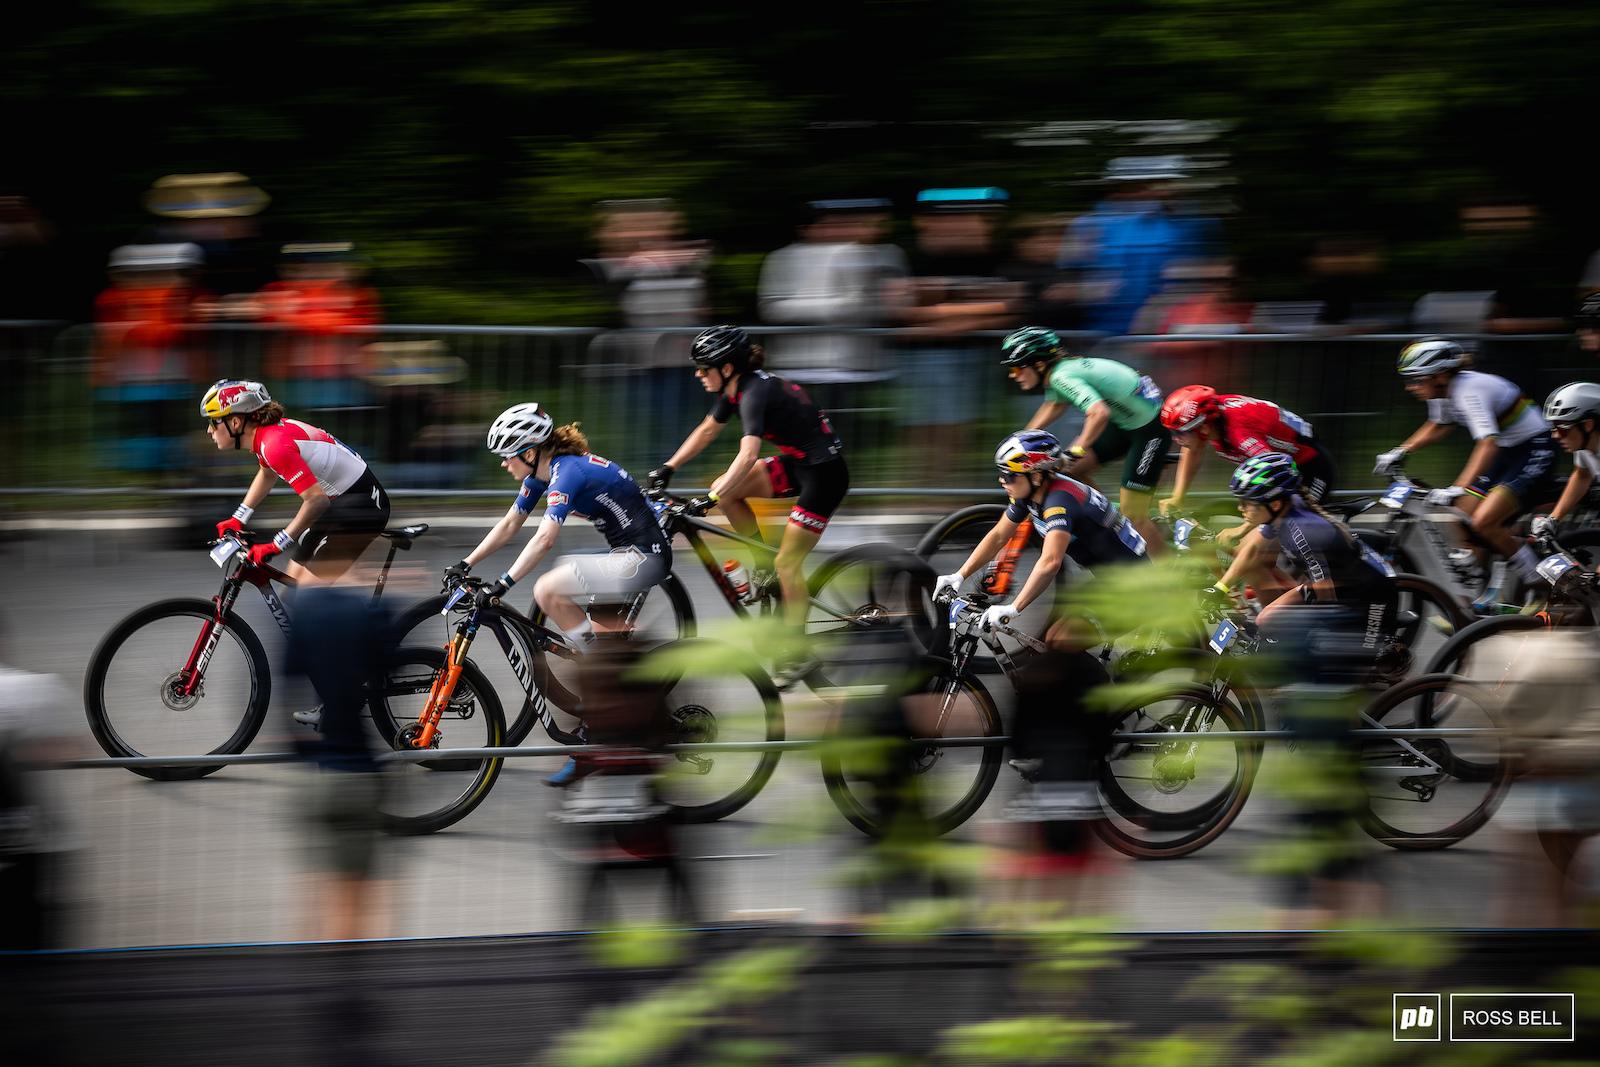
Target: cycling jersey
{"type": "Point", "coordinates": [1488, 406]}
{"type": "Point", "coordinates": [602, 492]}
{"type": "Point", "coordinates": [1100, 533]}
{"type": "Point", "coordinates": [1250, 427]}
{"type": "Point", "coordinates": [1586, 460]}
{"type": "Point", "coordinates": [779, 411]}
{"type": "Point", "coordinates": [303, 455]}
{"type": "Point", "coordinates": [1133, 398]}
{"type": "Point", "coordinates": [1327, 554]}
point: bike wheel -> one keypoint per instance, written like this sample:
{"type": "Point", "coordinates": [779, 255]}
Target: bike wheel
{"type": "Point", "coordinates": [1466, 656]}
{"type": "Point", "coordinates": [950, 784]}
{"type": "Point", "coordinates": [715, 693]}
{"type": "Point", "coordinates": [1426, 618]}
{"type": "Point", "coordinates": [869, 589]}
{"type": "Point", "coordinates": [1420, 794]}
{"type": "Point", "coordinates": [422, 798]}
{"type": "Point", "coordinates": [951, 540]}
{"type": "Point", "coordinates": [1168, 799]}
{"type": "Point", "coordinates": [130, 688]}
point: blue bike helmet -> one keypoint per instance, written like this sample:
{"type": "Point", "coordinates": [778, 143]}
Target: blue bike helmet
{"type": "Point", "coordinates": [1265, 477]}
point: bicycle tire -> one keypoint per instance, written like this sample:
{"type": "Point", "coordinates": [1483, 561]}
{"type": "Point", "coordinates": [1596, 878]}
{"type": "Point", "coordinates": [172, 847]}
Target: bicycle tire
{"type": "Point", "coordinates": [718, 666]}
{"type": "Point", "coordinates": [1376, 752]}
{"type": "Point", "coordinates": [1134, 828]}
{"type": "Point", "coordinates": [849, 786]}
{"type": "Point", "coordinates": [879, 588]}
{"type": "Point", "coordinates": [102, 720]}
{"type": "Point", "coordinates": [963, 529]}
{"type": "Point", "coordinates": [419, 784]}
{"type": "Point", "coordinates": [1456, 657]}
{"type": "Point", "coordinates": [1425, 609]}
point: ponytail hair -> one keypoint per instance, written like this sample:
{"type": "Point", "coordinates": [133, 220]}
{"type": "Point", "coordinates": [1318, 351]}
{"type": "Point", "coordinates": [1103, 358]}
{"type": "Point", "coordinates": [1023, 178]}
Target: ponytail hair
{"type": "Point", "coordinates": [567, 440]}
{"type": "Point", "coordinates": [267, 414]}
{"type": "Point", "coordinates": [758, 358]}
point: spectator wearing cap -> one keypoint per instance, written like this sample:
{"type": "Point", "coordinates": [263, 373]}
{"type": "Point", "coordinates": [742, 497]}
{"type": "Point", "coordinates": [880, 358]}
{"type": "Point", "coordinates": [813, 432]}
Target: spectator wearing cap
{"type": "Point", "coordinates": [220, 212]}
{"type": "Point", "coordinates": [834, 275]}
{"type": "Point", "coordinates": [320, 298]}
{"type": "Point", "coordinates": [1117, 252]}
{"type": "Point", "coordinates": [146, 363]}
{"type": "Point", "coordinates": [957, 290]}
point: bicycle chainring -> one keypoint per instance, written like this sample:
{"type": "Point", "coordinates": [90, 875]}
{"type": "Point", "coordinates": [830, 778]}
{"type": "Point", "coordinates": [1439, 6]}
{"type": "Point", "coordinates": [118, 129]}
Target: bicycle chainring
{"type": "Point", "coordinates": [694, 725]}
{"type": "Point", "coordinates": [174, 699]}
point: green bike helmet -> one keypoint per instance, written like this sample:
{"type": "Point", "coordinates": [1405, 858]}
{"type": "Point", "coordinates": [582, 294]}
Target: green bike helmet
{"type": "Point", "coordinates": [1030, 345]}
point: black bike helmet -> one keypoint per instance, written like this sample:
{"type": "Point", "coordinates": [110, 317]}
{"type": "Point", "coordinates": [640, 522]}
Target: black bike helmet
{"type": "Point", "coordinates": [1588, 314]}
{"type": "Point", "coordinates": [717, 345]}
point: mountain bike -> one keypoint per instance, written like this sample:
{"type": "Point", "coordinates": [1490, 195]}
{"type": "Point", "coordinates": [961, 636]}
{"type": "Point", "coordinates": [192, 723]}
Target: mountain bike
{"type": "Point", "coordinates": [187, 676]}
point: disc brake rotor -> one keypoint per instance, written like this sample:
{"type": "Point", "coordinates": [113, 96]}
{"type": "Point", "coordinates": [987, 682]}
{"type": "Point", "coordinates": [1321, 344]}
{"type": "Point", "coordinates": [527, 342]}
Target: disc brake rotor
{"type": "Point", "coordinates": [172, 693]}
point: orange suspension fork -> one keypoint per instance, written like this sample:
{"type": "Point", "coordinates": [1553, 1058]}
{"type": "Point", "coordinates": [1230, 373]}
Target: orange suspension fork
{"type": "Point", "coordinates": [999, 580]}
{"type": "Point", "coordinates": [444, 687]}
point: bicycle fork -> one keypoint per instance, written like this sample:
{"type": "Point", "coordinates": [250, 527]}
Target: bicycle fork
{"type": "Point", "coordinates": [444, 687]}
{"type": "Point", "coordinates": [194, 670]}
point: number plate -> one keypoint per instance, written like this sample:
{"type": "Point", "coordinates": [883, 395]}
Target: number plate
{"type": "Point", "coordinates": [1397, 495]}
{"type": "Point", "coordinates": [221, 554]}
{"type": "Point", "coordinates": [1555, 566]}
{"type": "Point", "coordinates": [1181, 531]}
{"type": "Point", "coordinates": [1224, 636]}
{"type": "Point", "coordinates": [455, 598]}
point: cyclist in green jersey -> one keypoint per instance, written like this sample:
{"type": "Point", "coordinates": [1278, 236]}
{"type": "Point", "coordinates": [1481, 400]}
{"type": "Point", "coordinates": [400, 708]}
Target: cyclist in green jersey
{"type": "Point", "coordinates": [1122, 416]}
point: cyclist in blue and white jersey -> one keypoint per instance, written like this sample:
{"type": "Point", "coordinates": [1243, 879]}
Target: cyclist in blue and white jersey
{"type": "Point", "coordinates": [554, 462]}
{"type": "Point", "coordinates": [1511, 466]}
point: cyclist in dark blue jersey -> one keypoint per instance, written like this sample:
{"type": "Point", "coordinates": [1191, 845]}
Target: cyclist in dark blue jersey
{"type": "Point", "coordinates": [554, 462]}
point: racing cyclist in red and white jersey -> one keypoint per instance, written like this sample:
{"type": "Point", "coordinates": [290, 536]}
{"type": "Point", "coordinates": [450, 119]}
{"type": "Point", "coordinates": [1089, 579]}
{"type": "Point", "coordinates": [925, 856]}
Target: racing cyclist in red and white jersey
{"type": "Point", "coordinates": [342, 506]}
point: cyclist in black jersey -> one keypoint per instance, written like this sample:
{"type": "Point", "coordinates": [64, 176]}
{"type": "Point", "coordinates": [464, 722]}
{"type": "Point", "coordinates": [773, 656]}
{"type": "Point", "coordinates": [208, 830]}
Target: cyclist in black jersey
{"type": "Point", "coordinates": [810, 464]}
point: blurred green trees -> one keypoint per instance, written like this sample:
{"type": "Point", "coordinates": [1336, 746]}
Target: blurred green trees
{"type": "Point", "coordinates": [464, 140]}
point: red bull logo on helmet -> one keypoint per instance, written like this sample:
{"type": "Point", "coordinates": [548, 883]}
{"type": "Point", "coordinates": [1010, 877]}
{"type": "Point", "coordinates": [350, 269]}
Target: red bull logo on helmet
{"type": "Point", "coordinates": [230, 393]}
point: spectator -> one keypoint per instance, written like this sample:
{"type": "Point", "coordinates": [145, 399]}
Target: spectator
{"type": "Point", "coordinates": [1049, 300]}
{"type": "Point", "coordinates": [1346, 278]}
{"type": "Point", "coordinates": [658, 279]}
{"type": "Point", "coordinates": [218, 212]}
{"type": "Point", "coordinates": [834, 275]}
{"type": "Point", "coordinates": [319, 296]}
{"type": "Point", "coordinates": [1499, 253]}
{"type": "Point", "coordinates": [957, 290]}
{"type": "Point", "coordinates": [1118, 251]}
{"type": "Point", "coordinates": [1199, 300]}
{"type": "Point", "coordinates": [146, 365]}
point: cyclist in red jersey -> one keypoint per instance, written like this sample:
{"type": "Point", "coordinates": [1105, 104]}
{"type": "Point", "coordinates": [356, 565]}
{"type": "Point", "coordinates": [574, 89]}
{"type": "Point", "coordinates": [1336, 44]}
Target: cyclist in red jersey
{"type": "Point", "coordinates": [342, 509]}
{"type": "Point", "coordinates": [1239, 427]}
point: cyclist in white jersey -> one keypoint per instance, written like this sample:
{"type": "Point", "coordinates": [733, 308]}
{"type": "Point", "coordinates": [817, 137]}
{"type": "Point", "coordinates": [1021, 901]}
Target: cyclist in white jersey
{"type": "Point", "coordinates": [1509, 470]}
{"type": "Point", "coordinates": [1573, 412]}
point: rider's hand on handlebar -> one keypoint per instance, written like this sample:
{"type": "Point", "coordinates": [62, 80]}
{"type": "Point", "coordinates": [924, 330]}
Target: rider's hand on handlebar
{"type": "Point", "coordinates": [1170, 506]}
{"type": "Point", "coordinates": [658, 479]}
{"type": "Point", "coordinates": [1390, 462]}
{"type": "Point", "coordinates": [455, 574]}
{"type": "Point", "coordinates": [701, 504]}
{"type": "Point", "coordinates": [998, 615]}
{"type": "Point", "coordinates": [948, 584]}
{"type": "Point", "coordinates": [1543, 526]}
{"type": "Point", "coordinates": [492, 592]}
{"type": "Point", "coordinates": [259, 554]}
{"type": "Point", "coordinates": [1445, 497]}
{"type": "Point", "coordinates": [232, 524]}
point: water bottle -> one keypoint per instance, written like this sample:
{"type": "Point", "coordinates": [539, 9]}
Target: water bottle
{"type": "Point", "coordinates": [737, 577]}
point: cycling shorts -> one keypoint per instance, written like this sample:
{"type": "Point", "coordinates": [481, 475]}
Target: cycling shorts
{"type": "Point", "coordinates": [621, 572]}
{"type": "Point", "coordinates": [359, 513]}
{"type": "Point", "coordinates": [1527, 470]}
{"type": "Point", "coordinates": [1144, 451]}
{"type": "Point", "coordinates": [1317, 474]}
{"type": "Point", "coordinates": [820, 487]}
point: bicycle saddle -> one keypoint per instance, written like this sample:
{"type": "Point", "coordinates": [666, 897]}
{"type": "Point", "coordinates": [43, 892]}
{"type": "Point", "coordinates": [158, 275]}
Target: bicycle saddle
{"type": "Point", "coordinates": [403, 536]}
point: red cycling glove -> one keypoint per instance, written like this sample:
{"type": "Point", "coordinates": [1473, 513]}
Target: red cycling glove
{"type": "Point", "coordinates": [229, 525]}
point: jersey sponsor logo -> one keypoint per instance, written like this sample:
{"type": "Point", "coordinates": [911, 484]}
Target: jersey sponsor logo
{"type": "Point", "coordinates": [598, 462]}
{"type": "Point", "coordinates": [296, 476]}
{"type": "Point", "coordinates": [555, 499]}
{"type": "Point", "coordinates": [1052, 512]}
{"type": "Point", "coordinates": [809, 520]}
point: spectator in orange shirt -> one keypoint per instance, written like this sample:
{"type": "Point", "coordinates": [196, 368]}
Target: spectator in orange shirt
{"type": "Point", "coordinates": [320, 298]}
{"type": "Point", "coordinates": [146, 364]}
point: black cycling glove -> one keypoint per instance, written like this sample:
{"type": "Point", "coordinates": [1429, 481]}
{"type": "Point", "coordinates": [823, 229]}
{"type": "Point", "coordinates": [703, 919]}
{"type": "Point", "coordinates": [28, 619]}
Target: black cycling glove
{"type": "Point", "coordinates": [456, 573]}
{"type": "Point", "coordinates": [659, 478]}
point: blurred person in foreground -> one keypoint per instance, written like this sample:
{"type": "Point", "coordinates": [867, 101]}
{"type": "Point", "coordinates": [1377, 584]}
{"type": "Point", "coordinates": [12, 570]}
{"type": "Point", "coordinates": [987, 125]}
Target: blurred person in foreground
{"type": "Point", "coordinates": [834, 275]}
{"type": "Point", "coordinates": [146, 362]}
{"type": "Point", "coordinates": [958, 289]}
{"type": "Point", "coordinates": [1058, 740]}
{"type": "Point", "coordinates": [554, 463]}
{"type": "Point", "coordinates": [1327, 633]}
{"type": "Point", "coordinates": [1115, 254]}
{"type": "Point", "coordinates": [1122, 416]}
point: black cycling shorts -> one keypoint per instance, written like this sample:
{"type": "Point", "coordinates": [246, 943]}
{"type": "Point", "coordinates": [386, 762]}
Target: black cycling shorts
{"type": "Point", "coordinates": [1527, 471]}
{"type": "Point", "coordinates": [1317, 474]}
{"type": "Point", "coordinates": [1144, 451]}
{"type": "Point", "coordinates": [361, 510]}
{"type": "Point", "coordinates": [820, 487]}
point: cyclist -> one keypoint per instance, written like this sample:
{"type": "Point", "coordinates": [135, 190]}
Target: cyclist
{"type": "Point", "coordinates": [810, 465]}
{"type": "Point", "coordinates": [1239, 427]}
{"type": "Point", "coordinates": [1122, 415]}
{"type": "Point", "coordinates": [1573, 412]}
{"type": "Point", "coordinates": [342, 506]}
{"type": "Point", "coordinates": [554, 462]}
{"type": "Point", "coordinates": [1052, 725]}
{"type": "Point", "coordinates": [1510, 467]}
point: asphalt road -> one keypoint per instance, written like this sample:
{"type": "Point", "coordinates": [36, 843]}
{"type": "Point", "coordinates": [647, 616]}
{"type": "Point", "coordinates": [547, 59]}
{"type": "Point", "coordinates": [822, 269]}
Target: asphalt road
{"type": "Point", "coordinates": [220, 860]}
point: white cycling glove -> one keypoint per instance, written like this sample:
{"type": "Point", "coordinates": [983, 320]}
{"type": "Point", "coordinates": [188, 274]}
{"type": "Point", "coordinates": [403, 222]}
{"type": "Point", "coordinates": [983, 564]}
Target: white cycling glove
{"type": "Point", "coordinates": [1543, 526]}
{"type": "Point", "coordinates": [1445, 497]}
{"type": "Point", "coordinates": [998, 615]}
{"type": "Point", "coordinates": [1389, 462]}
{"type": "Point", "coordinates": [951, 581]}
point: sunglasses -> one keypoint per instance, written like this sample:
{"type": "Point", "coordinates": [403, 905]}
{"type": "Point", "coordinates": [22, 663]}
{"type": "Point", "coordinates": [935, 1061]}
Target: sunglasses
{"type": "Point", "coordinates": [1010, 476]}
{"type": "Point", "coordinates": [1562, 427]}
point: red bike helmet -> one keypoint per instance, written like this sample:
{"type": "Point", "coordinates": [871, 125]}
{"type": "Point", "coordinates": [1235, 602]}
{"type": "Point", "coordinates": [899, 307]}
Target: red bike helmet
{"type": "Point", "coordinates": [1188, 407]}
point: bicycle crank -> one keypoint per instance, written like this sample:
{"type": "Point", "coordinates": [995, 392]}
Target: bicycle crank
{"type": "Point", "coordinates": [695, 725]}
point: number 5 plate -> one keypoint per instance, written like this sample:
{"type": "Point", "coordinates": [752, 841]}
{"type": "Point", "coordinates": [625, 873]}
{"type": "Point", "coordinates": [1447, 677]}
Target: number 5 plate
{"type": "Point", "coordinates": [1224, 636]}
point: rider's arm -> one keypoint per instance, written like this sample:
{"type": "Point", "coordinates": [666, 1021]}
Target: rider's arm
{"type": "Point", "coordinates": [1188, 463]}
{"type": "Point", "coordinates": [1048, 412]}
{"type": "Point", "coordinates": [1044, 571]}
{"type": "Point", "coordinates": [696, 442]}
{"type": "Point", "coordinates": [749, 452]}
{"type": "Point", "coordinates": [1478, 464]}
{"type": "Point", "coordinates": [257, 493]}
{"type": "Point", "coordinates": [986, 549]}
{"type": "Point", "coordinates": [1095, 418]}
{"type": "Point", "coordinates": [534, 551]}
{"type": "Point", "coordinates": [1577, 486]}
{"type": "Point", "coordinates": [1426, 434]}
{"type": "Point", "coordinates": [313, 502]}
{"type": "Point", "coordinates": [500, 536]}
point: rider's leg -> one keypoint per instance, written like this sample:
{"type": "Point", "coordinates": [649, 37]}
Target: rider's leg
{"type": "Point", "coordinates": [551, 593]}
{"type": "Point", "coordinates": [1142, 463]}
{"type": "Point", "coordinates": [798, 541]}
{"type": "Point", "coordinates": [758, 485]}
{"type": "Point", "coordinates": [1136, 506]}
{"type": "Point", "coordinates": [1490, 521]}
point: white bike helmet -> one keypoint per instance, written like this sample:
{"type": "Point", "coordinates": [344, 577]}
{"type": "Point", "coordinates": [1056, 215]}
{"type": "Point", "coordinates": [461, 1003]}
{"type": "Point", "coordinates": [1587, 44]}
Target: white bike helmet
{"type": "Point", "coordinates": [1573, 402]}
{"type": "Point", "coordinates": [518, 428]}
{"type": "Point", "coordinates": [1429, 356]}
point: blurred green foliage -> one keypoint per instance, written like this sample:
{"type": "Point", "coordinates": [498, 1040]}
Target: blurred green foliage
{"type": "Point", "coordinates": [465, 141]}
